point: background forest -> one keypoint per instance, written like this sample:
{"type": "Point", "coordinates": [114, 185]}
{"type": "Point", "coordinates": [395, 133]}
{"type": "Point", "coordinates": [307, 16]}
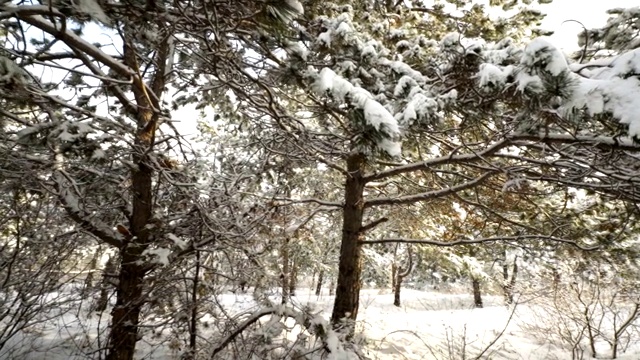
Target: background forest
{"type": "Point", "coordinates": [302, 179]}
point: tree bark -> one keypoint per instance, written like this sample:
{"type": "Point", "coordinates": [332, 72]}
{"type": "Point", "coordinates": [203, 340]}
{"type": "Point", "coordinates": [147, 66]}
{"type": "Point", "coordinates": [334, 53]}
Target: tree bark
{"type": "Point", "coordinates": [319, 283]}
{"type": "Point", "coordinates": [396, 292]}
{"type": "Point", "coordinates": [125, 316]}
{"type": "Point", "coordinates": [477, 293]}
{"type": "Point", "coordinates": [394, 274]}
{"type": "Point", "coordinates": [350, 266]}
{"type": "Point", "coordinates": [400, 274]}
{"type": "Point", "coordinates": [509, 283]}
{"type": "Point", "coordinates": [293, 278]}
{"type": "Point", "coordinates": [105, 285]}
{"type": "Point", "coordinates": [129, 299]}
{"type": "Point", "coordinates": [193, 326]}
{"type": "Point", "coordinates": [284, 276]}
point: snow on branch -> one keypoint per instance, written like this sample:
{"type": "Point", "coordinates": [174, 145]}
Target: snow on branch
{"type": "Point", "coordinates": [375, 114]}
{"type": "Point", "coordinates": [603, 86]}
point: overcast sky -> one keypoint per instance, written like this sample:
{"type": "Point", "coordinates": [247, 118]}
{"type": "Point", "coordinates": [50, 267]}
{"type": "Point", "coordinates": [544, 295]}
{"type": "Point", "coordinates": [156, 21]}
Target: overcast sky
{"type": "Point", "coordinates": [591, 13]}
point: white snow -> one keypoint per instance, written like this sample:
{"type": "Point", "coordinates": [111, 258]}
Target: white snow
{"type": "Point", "coordinates": [602, 86]}
{"type": "Point", "coordinates": [376, 115]}
{"type": "Point", "coordinates": [429, 325]}
{"type": "Point", "coordinates": [325, 38]}
{"type": "Point", "coordinates": [177, 241]}
{"type": "Point", "coordinates": [541, 53]}
{"type": "Point", "coordinates": [159, 255]}
{"type": "Point", "coordinates": [296, 5]}
{"type": "Point", "coordinates": [492, 75]}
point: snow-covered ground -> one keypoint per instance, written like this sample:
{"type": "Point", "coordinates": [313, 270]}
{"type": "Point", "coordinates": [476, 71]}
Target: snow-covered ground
{"type": "Point", "coordinates": [429, 325]}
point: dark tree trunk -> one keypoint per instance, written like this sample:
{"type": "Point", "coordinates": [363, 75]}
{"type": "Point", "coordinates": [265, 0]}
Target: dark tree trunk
{"type": "Point", "coordinates": [129, 300]}
{"type": "Point", "coordinates": [509, 283]}
{"type": "Point", "coordinates": [125, 316]}
{"type": "Point", "coordinates": [400, 274]}
{"type": "Point", "coordinates": [293, 278]}
{"type": "Point", "coordinates": [394, 275]}
{"type": "Point", "coordinates": [193, 326]}
{"type": "Point", "coordinates": [106, 285]}
{"type": "Point", "coordinates": [350, 267]}
{"type": "Point", "coordinates": [477, 294]}
{"type": "Point", "coordinates": [284, 276]}
{"type": "Point", "coordinates": [396, 292]}
{"type": "Point", "coordinates": [319, 283]}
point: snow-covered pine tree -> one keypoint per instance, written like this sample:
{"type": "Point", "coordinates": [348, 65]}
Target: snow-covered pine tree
{"type": "Point", "coordinates": [364, 79]}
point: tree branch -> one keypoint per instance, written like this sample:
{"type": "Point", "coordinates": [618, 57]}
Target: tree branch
{"type": "Point", "coordinates": [373, 224]}
{"type": "Point", "coordinates": [442, 160]}
{"type": "Point", "coordinates": [479, 241]}
{"type": "Point", "coordinates": [601, 142]}
{"type": "Point", "coordinates": [410, 199]}
{"type": "Point", "coordinates": [72, 40]}
{"type": "Point", "coordinates": [70, 204]}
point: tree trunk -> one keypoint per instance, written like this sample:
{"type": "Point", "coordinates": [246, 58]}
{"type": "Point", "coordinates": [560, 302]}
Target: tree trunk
{"type": "Point", "coordinates": [319, 284]}
{"type": "Point", "coordinates": [129, 300]}
{"type": "Point", "coordinates": [284, 276]}
{"type": "Point", "coordinates": [400, 274]}
{"type": "Point", "coordinates": [350, 267]}
{"type": "Point", "coordinates": [396, 292]}
{"type": "Point", "coordinates": [509, 283]}
{"type": "Point", "coordinates": [125, 316]}
{"type": "Point", "coordinates": [477, 294]}
{"type": "Point", "coordinates": [293, 278]}
{"type": "Point", "coordinates": [193, 326]}
{"type": "Point", "coordinates": [394, 274]}
{"type": "Point", "coordinates": [105, 285]}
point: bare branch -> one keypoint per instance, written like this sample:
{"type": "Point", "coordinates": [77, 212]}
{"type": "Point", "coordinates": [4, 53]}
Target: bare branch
{"type": "Point", "coordinates": [291, 201]}
{"type": "Point", "coordinates": [601, 142]}
{"type": "Point", "coordinates": [480, 241]}
{"type": "Point", "coordinates": [411, 199]}
{"type": "Point", "coordinates": [443, 160]}
{"type": "Point", "coordinates": [70, 39]}
{"type": "Point", "coordinates": [373, 224]}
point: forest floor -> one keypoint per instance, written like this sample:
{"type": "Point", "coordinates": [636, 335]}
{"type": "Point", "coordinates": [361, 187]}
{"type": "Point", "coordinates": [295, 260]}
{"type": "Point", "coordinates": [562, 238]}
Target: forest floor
{"type": "Point", "coordinates": [442, 326]}
{"type": "Point", "coordinates": [428, 325]}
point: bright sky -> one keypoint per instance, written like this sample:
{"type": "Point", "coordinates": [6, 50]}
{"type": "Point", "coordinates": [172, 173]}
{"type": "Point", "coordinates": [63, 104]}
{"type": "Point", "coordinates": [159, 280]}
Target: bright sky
{"type": "Point", "coordinates": [591, 13]}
